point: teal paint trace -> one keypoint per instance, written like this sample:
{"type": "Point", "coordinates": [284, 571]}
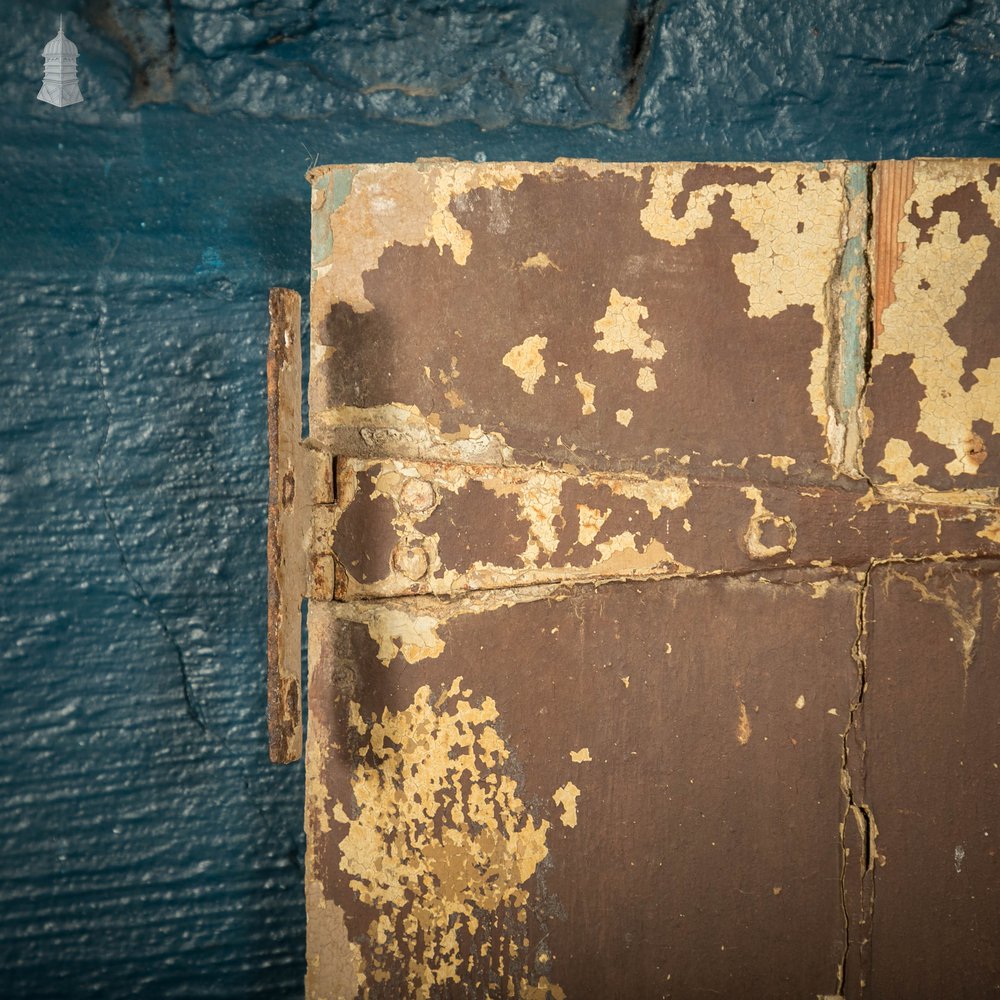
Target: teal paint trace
{"type": "Point", "coordinates": [322, 235]}
{"type": "Point", "coordinates": [854, 294]}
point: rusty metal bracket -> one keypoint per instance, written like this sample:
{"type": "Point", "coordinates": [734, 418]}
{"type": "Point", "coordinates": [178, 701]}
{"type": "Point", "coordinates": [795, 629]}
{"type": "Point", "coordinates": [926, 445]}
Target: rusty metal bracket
{"type": "Point", "coordinates": [286, 536]}
{"type": "Point", "coordinates": [301, 481]}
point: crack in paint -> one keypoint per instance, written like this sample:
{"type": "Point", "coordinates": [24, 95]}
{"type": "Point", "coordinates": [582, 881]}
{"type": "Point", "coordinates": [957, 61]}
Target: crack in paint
{"type": "Point", "coordinates": [855, 807]}
{"type": "Point", "coordinates": [638, 40]}
{"type": "Point", "coordinates": [857, 955]}
{"type": "Point", "coordinates": [139, 592]}
{"type": "Point", "coordinates": [848, 307]}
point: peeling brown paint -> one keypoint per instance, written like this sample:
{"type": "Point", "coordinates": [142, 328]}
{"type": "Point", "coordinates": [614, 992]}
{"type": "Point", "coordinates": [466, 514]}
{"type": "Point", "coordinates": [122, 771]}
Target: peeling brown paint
{"type": "Point", "coordinates": [410, 628]}
{"type": "Point", "coordinates": [966, 611]}
{"type": "Point", "coordinates": [937, 268]}
{"type": "Point", "coordinates": [797, 221]}
{"type": "Point", "coordinates": [658, 822]}
{"type": "Point", "coordinates": [437, 837]}
{"type": "Point", "coordinates": [743, 728]}
{"type": "Point", "coordinates": [586, 390]}
{"type": "Point", "coordinates": [393, 203]}
{"type": "Point", "coordinates": [656, 336]}
{"type": "Point", "coordinates": [526, 362]}
{"type": "Point", "coordinates": [483, 527]}
{"type": "Point", "coordinates": [565, 797]}
{"type": "Point", "coordinates": [780, 528]}
{"type": "Point", "coordinates": [621, 330]}
{"type": "Point", "coordinates": [525, 519]}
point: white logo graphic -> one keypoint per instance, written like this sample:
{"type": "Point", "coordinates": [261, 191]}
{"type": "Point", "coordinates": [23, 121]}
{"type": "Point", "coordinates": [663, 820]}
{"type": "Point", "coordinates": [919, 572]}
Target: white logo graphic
{"type": "Point", "coordinates": [59, 86]}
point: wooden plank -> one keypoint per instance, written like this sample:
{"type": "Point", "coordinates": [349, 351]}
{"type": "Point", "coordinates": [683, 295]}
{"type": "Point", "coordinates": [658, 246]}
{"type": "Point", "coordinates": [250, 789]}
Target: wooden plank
{"type": "Point", "coordinates": [934, 396]}
{"type": "Point", "coordinates": [618, 791]}
{"type": "Point", "coordinates": [893, 190]}
{"type": "Point", "coordinates": [402, 527]}
{"type": "Point", "coordinates": [653, 318]}
{"type": "Point", "coordinates": [928, 726]}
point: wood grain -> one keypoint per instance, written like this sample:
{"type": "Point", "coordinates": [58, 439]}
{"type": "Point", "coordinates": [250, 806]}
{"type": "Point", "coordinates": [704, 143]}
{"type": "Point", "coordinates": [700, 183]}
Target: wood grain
{"type": "Point", "coordinates": [893, 188]}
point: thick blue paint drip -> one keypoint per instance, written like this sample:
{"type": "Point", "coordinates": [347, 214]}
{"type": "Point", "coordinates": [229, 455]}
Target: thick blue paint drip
{"type": "Point", "coordinates": [149, 849]}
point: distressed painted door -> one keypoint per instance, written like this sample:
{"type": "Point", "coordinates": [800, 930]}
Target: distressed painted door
{"type": "Point", "coordinates": [647, 521]}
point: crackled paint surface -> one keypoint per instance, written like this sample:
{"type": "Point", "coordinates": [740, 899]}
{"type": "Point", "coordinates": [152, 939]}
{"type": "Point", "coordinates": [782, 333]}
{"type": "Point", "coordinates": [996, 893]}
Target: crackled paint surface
{"type": "Point", "coordinates": [621, 519]}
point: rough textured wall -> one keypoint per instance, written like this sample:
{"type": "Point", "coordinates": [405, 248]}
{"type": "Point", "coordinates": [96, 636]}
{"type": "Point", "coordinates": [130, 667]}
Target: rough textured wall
{"type": "Point", "coordinates": [149, 849]}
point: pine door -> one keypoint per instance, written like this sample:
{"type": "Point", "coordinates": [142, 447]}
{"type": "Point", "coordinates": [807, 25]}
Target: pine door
{"type": "Point", "coordinates": [647, 521]}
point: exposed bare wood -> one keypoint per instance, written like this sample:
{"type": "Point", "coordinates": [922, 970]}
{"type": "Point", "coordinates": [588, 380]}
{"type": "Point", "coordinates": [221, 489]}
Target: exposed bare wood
{"type": "Point", "coordinates": [893, 188]}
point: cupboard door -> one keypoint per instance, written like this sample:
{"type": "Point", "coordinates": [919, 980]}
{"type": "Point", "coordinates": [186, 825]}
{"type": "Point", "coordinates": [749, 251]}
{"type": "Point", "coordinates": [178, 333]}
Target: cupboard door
{"type": "Point", "coordinates": [646, 519]}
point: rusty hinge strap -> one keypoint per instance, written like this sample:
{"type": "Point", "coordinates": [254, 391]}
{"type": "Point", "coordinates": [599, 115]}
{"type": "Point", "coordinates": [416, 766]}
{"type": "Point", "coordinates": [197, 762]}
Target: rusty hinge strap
{"type": "Point", "coordinates": [288, 501]}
